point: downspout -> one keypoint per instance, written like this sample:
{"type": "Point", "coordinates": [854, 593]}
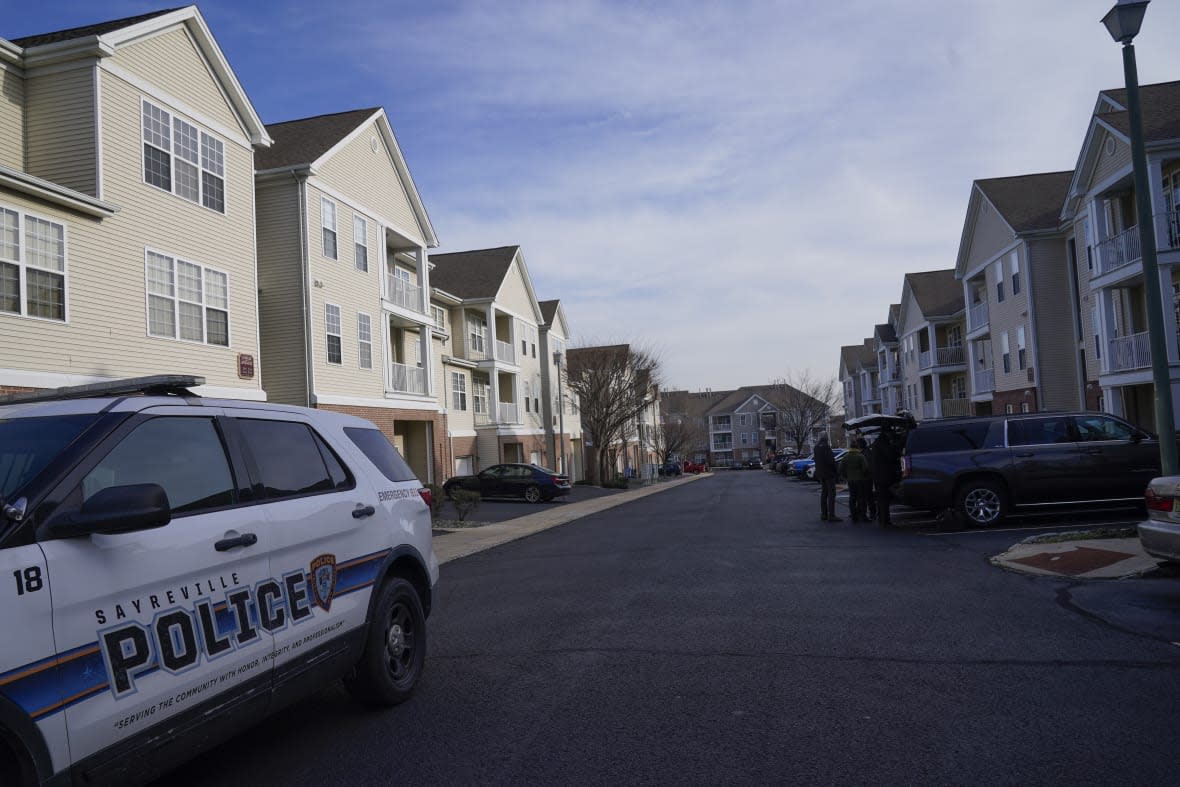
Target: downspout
{"type": "Point", "coordinates": [1033, 337]}
{"type": "Point", "coordinates": [305, 285]}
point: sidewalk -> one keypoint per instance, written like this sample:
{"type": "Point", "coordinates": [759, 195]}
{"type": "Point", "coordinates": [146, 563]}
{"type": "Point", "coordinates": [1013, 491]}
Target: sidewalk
{"type": "Point", "coordinates": [462, 542]}
{"type": "Point", "coordinates": [1098, 558]}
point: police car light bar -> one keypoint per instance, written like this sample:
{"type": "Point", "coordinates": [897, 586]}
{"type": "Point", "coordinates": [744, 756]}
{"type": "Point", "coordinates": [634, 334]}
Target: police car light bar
{"type": "Point", "coordinates": [157, 385]}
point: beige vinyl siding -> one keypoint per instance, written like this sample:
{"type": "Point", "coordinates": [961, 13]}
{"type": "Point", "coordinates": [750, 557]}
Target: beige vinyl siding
{"type": "Point", "coordinates": [991, 235]}
{"type": "Point", "coordinates": [280, 294]}
{"type": "Point", "coordinates": [913, 321]}
{"type": "Point", "coordinates": [514, 296]}
{"type": "Point", "coordinates": [12, 119]}
{"type": "Point", "coordinates": [339, 282]}
{"type": "Point", "coordinates": [60, 118]}
{"type": "Point", "coordinates": [1006, 316]}
{"type": "Point", "coordinates": [1110, 165]}
{"type": "Point", "coordinates": [371, 180]}
{"type": "Point", "coordinates": [1053, 348]}
{"type": "Point", "coordinates": [171, 62]}
{"type": "Point", "coordinates": [1088, 301]}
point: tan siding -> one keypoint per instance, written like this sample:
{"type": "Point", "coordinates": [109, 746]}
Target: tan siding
{"type": "Point", "coordinates": [1054, 347]}
{"type": "Point", "coordinates": [1109, 165]}
{"type": "Point", "coordinates": [171, 62]}
{"type": "Point", "coordinates": [12, 119]}
{"type": "Point", "coordinates": [1006, 317]}
{"type": "Point", "coordinates": [514, 296]}
{"type": "Point", "coordinates": [354, 292]}
{"type": "Point", "coordinates": [1088, 301]}
{"type": "Point", "coordinates": [991, 235]}
{"type": "Point", "coordinates": [280, 294]}
{"type": "Point", "coordinates": [61, 134]}
{"type": "Point", "coordinates": [370, 178]}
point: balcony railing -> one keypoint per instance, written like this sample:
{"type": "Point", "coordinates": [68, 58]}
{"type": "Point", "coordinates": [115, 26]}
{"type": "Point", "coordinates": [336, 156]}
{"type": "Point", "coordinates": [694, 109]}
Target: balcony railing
{"type": "Point", "coordinates": [505, 352]}
{"type": "Point", "coordinates": [482, 419]}
{"type": "Point", "coordinates": [941, 356]}
{"type": "Point", "coordinates": [509, 412]}
{"type": "Point", "coordinates": [977, 316]}
{"type": "Point", "coordinates": [984, 380]}
{"type": "Point", "coordinates": [1118, 251]}
{"type": "Point", "coordinates": [404, 294]}
{"type": "Point", "coordinates": [1167, 230]}
{"type": "Point", "coordinates": [953, 407]}
{"type": "Point", "coordinates": [408, 379]}
{"type": "Point", "coordinates": [1129, 352]}
{"type": "Point", "coordinates": [723, 446]}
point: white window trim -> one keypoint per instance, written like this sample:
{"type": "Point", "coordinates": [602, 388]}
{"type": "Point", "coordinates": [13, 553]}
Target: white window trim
{"type": "Point", "coordinates": [361, 342]}
{"type": "Point", "coordinates": [324, 201]}
{"type": "Point", "coordinates": [176, 299]}
{"type": "Point", "coordinates": [363, 223]}
{"type": "Point", "coordinates": [201, 129]}
{"type": "Point", "coordinates": [22, 264]}
{"type": "Point", "coordinates": [459, 391]}
{"type": "Point", "coordinates": [328, 334]}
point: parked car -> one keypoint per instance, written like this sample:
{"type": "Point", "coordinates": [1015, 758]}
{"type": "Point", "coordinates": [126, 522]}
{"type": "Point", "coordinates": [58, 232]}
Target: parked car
{"type": "Point", "coordinates": [183, 565]}
{"type": "Point", "coordinates": [531, 482]}
{"type": "Point", "coordinates": [671, 468]}
{"type": "Point", "coordinates": [984, 467]}
{"type": "Point", "coordinates": [1160, 534]}
{"type": "Point", "coordinates": [754, 464]}
{"type": "Point", "coordinates": [805, 468]}
{"type": "Point", "coordinates": [694, 467]}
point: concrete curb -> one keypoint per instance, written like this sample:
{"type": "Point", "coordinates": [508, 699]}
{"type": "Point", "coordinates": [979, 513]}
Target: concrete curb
{"type": "Point", "coordinates": [1038, 559]}
{"type": "Point", "coordinates": [462, 543]}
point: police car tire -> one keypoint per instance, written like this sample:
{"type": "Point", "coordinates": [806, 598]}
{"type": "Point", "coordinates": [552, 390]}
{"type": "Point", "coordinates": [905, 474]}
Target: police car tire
{"type": "Point", "coordinates": [392, 661]}
{"type": "Point", "coordinates": [14, 768]}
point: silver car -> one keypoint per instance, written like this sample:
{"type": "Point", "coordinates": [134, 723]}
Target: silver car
{"type": "Point", "coordinates": [1160, 534]}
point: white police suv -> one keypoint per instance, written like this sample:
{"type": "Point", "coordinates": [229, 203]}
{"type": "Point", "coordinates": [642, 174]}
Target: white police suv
{"type": "Point", "coordinates": [178, 567]}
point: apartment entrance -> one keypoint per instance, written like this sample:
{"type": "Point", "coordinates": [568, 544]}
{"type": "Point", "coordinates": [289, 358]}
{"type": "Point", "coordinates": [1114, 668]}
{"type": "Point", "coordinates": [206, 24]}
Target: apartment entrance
{"type": "Point", "coordinates": [413, 441]}
{"type": "Point", "coordinates": [513, 452]}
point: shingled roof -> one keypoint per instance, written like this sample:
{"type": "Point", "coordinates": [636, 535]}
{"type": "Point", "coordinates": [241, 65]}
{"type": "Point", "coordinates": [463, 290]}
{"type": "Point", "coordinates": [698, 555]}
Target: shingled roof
{"type": "Point", "coordinates": [304, 141]}
{"type": "Point", "coordinates": [85, 31]}
{"type": "Point", "coordinates": [548, 310]}
{"type": "Point", "coordinates": [472, 274]}
{"type": "Point", "coordinates": [1161, 111]}
{"type": "Point", "coordinates": [1029, 202]}
{"type": "Point", "coordinates": [937, 293]}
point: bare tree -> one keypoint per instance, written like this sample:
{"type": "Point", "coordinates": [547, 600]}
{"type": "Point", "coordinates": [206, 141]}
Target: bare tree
{"type": "Point", "coordinates": [804, 404]}
{"type": "Point", "coordinates": [676, 436]}
{"type": "Point", "coordinates": [613, 385]}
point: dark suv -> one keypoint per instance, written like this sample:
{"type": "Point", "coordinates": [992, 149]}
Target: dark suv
{"type": "Point", "coordinates": [983, 467]}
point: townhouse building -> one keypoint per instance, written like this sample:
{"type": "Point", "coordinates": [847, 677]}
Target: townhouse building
{"type": "Point", "coordinates": [1103, 251]}
{"type": "Point", "coordinates": [563, 425]}
{"type": "Point", "coordinates": [344, 281]}
{"type": "Point", "coordinates": [1021, 339]}
{"type": "Point", "coordinates": [859, 377]}
{"type": "Point", "coordinates": [930, 340]}
{"type": "Point", "coordinates": [127, 234]}
{"type": "Point", "coordinates": [888, 362]}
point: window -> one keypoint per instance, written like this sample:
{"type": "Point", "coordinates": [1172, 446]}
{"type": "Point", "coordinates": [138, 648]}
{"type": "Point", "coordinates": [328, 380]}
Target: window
{"type": "Point", "coordinates": [32, 272]}
{"type": "Point", "coordinates": [1039, 431]}
{"type": "Point", "coordinates": [1025, 407]}
{"type": "Point", "coordinates": [1097, 336]}
{"type": "Point", "coordinates": [1005, 353]}
{"type": "Point", "coordinates": [439, 317]}
{"type": "Point", "coordinates": [381, 453]}
{"type": "Point", "coordinates": [180, 158]}
{"type": "Point", "coordinates": [332, 329]}
{"type": "Point", "coordinates": [742, 419]}
{"type": "Point", "coordinates": [527, 399]}
{"type": "Point", "coordinates": [187, 301]}
{"type": "Point", "coordinates": [477, 331]}
{"type": "Point", "coordinates": [479, 397]}
{"type": "Point", "coordinates": [458, 390]}
{"type": "Point", "coordinates": [1014, 266]}
{"type": "Point", "coordinates": [360, 235]}
{"type": "Point", "coordinates": [364, 339]}
{"type": "Point", "coordinates": [1102, 427]}
{"type": "Point", "coordinates": [328, 222]}
{"type": "Point", "coordinates": [291, 459]}
{"type": "Point", "coordinates": [150, 455]}
{"type": "Point", "coordinates": [1020, 356]}
{"type": "Point", "coordinates": [999, 272]}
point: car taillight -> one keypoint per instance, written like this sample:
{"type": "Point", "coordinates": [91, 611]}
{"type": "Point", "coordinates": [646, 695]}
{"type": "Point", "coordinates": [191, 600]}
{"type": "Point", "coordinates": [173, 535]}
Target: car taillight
{"type": "Point", "coordinates": [427, 497]}
{"type": "Point", "coordinates": [1157, 502]}
{"type": "Point", "coordinates": [905, 467]}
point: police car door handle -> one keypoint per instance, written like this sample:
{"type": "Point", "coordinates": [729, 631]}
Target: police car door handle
{"type": "Point", "coordinates": [360, 512]}
{"type": "Point", "coordinates": [244, 540]}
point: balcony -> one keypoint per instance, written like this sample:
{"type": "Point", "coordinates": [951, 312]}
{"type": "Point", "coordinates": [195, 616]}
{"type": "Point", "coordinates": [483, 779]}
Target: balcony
{"type": "Point", "coordinates": [505, 352]}
{"type": "Point", "coordinates": [977, 316]}
{"type": "Point", "coordinates": [402, 293]}
{"type": "Point", "coordinates": [1129, 352]}
{"type": "Point", "coordinates": [508, 412]}
{"type": "Point", "coordinates": [1118, 251]}
{"type": "Point", "coordinates": [983, 381]}
{"type": "Point", "coordinates": [408, 379]}
{"type": "Point", "coordinates": [954, 407]}
{"type": "Point", "coordinates": [941, 356]}
{"type": "Point", "coordinates": [483, 419]}
{"type": "Point", "coordinates": [722, 446]}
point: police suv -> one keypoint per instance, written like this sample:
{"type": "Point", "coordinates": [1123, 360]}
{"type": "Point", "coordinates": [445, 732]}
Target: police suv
{"type": "Point", "coordinates": [178, 567]}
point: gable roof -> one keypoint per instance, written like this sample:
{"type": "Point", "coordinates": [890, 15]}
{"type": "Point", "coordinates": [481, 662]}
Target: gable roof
{"type": "Point", "coordinates": [97, 29]}
{"type": "Point", "coordinates": [1028, 203]}
{"type": "Point", "coordinates": [885, 333]}
{"type": "Point", "coordinates": [849, 355]}
{"type": "Point", "coordinates": [472, 274]}
{"type": "Point", "coordinates": [305, 140]}
{"type": "Point", "coordinates": [936, 293]}
{"type": "Point", "coordinates": [548, 310]}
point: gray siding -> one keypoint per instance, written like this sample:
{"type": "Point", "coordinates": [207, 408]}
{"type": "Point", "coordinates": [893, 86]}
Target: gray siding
{"type": "Point", "coordinates": [12, 119]}
{"type": "Point", "coordinates": [1054, 348]}
{"type": "Point", "coordinates": [60, 118]}
{"type": "Point", "coordinates": [280, 294]}
{"type": "Point", "coordinates": [992, 234]}
{"type": "Point", "coordinates": [1111, 164]}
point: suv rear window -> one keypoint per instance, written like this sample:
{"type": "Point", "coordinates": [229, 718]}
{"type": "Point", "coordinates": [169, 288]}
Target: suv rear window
{"type": "Point", "coordinates": [376, 446]}
{"type": "Point", "coordinates": [960, 436]}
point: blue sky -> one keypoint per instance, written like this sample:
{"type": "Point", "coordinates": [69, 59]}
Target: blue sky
{"type": "Point", "coordinates": [738, 187]}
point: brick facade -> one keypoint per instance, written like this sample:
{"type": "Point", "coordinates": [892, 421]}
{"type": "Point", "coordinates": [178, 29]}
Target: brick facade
{"type": "Point", "coordinates": [1001, 399]}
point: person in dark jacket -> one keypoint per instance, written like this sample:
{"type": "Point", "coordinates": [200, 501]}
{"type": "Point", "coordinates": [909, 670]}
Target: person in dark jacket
{"type": "Point", "coordinates": [860, 483]}
{"type": "Point", "coordinates": [883, 462]}
{"type": "Point", "coordinates": [825, 473]}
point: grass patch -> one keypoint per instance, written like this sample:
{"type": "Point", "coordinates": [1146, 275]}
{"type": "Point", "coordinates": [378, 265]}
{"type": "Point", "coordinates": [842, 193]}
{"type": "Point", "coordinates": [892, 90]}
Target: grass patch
{"type": "Point", "coordinates": [1084, 535]}
{"type": "Point", "coordinates": [457, 524]}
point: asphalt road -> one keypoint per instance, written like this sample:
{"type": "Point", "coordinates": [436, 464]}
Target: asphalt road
{"type": "Point", "coordinates": [720, 633]}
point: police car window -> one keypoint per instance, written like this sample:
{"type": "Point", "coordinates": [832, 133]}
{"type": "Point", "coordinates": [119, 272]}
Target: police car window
{"type": "Point", "coordinates": [288, 457]}
{"type": "Point", "coordinates": [27, 445]}
{"type": "Point", "coordinates": [376, 446]}
{"type": "Point", "coordinates": [1038, 431]}
{"type": "Point", "coordinates": [184, 455]}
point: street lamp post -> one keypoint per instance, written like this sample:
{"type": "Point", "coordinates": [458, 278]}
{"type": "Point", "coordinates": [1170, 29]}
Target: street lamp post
{"type": "Point", "coordinates": [1123, 23]}
{"type": "Point", "coordinates": [560, 418]}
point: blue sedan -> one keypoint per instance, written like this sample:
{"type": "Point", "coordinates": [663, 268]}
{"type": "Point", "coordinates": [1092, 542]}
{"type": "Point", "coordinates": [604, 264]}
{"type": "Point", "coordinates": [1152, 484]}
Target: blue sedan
{"type": "Point", "coordinates": [805, 468]}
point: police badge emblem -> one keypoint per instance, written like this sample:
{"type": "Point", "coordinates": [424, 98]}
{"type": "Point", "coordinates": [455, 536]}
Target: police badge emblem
{"type": "Point", "coordinates": [323, 580]}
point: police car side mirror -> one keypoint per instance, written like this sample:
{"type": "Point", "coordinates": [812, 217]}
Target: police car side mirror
{"type": "Point", "coordinates": [117, 509]}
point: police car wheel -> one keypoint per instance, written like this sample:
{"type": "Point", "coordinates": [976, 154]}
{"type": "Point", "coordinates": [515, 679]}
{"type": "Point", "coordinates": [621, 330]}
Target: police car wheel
{"type": "Point", "coordinates": [14, 768]}
{"type": "Point", "coordinates": [395, 650]}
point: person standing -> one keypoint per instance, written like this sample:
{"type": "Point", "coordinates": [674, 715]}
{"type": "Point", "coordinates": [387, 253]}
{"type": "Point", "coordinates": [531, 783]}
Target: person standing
{"type": "Point", "coordinates": [885, 472]}
{"type": "Point", "coordinates": [825, 473]}
{"type": "Point", "coordinates": [860, 484]}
